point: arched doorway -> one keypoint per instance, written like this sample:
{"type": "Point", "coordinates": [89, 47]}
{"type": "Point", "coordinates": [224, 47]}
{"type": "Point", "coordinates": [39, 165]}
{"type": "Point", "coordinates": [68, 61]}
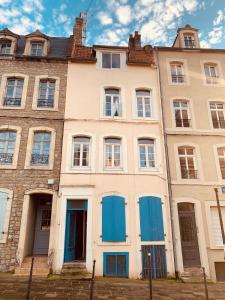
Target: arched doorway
{"type": "Point", "coordinates": [188, 235]}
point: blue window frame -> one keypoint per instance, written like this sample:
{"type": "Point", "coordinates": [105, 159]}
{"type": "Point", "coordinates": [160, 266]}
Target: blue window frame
{"type": "Point", "coordinates": [113, 219]}
{"type": "Point", "coordinates": [116, 264]}
{"type": "Point", "coordinates": [151, 219]}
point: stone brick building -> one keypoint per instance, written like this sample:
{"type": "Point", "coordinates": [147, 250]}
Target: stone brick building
{"type": "Point", "coordinates": [33, 73]}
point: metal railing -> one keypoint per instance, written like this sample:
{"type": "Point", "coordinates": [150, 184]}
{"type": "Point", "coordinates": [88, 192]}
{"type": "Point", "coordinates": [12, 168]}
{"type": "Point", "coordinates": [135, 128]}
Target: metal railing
{"type": "Point", "coordinates": [30, 279]}
{"type": "Point", "coordinates": [92, 280]}
{"type": "Point", "coordinates": [189, 174]}
{"type": "Point", "coordinates": [45, 103]}
{"type": "Point", "coordinates": [212, 79]}
{"type": "Point", "coordinates": [178, 78]}
{"type": "Point", "coordinates": [6, 158]}
{"type": "Point", "coordinates": [183, 122]}
{"type": "Point", "coordinates": [8, 101]}
{"type": "Point", "coordinates": [39, 159]}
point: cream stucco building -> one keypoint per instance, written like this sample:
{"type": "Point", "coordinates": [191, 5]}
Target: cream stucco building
{"type": "Point", "coordinates": [193, 88]}
{"type": "Point", "coordinates": [113, 175]}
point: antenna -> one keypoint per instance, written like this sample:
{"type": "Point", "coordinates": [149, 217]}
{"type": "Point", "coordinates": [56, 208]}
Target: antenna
{"type": "Point", "coordinates": [85, 18]}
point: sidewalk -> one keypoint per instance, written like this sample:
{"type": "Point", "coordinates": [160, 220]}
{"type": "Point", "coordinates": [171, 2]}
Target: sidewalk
{"type": "Point", "coordinates": [14, 288]}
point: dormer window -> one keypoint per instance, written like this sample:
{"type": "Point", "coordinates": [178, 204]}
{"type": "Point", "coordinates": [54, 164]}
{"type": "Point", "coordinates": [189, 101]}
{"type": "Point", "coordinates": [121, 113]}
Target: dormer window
{"type": "Point", "coordinates": [111, 60]}
{"type": "Point", "coordinates": [5, 47]}
{"type": "Point", "coordinates": [189, 41]}
{"type": "Point", "coordinates": [36, 49]}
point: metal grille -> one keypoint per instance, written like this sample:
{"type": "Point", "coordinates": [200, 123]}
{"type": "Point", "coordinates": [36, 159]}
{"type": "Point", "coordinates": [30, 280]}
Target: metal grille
{"type": "Point", "coordinates": [6, 158]}
{"type": "Point", "coordinates": [39, 159]}
{"type": "Point", "coordinates": [8, 101]}
{"type": "Point", "coordinates": [158, 261]}
{"type": "Point", "coordinates": [45, 103]}
{"type": "Point", "coordinates": [116, 265]}
{"type": "Point", "coordinates": [177, 78]}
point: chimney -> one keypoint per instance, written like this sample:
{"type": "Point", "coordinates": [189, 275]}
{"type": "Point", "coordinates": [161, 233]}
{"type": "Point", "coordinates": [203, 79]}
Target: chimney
{"type": "Point", "coordinates": [135, 41]}
{"type": "Point", "coordinates": [78, 31]}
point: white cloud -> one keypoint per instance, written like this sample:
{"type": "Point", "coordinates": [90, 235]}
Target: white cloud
{"type": "Point", "coordinates": [124, 14]}
{"type": "Point", "coordinates": [104, 18]}
{"type": "Point", "coordinates": [153, 32]}
{"type": "Point", "coordinates": [4, 2]}
{"type": "Point", "coordinates": [205, 44]}
{"type": "Point", "coordinates": [216, 35]}
{"type": "Point", "coordinates": [219, 18]}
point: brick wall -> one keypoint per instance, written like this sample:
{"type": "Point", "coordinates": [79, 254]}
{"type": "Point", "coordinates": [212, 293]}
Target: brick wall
{"type": "Point", "coordinates": [20, 180]}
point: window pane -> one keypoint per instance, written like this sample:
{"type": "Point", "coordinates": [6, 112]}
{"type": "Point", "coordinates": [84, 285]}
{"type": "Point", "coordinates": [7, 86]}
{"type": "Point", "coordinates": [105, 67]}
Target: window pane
{"type": "Point", "coordinates": [115, 60]}
{"type": "Point", "coordinates": [106, 60]}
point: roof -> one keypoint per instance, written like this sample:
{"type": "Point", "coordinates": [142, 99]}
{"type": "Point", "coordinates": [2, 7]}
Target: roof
{"type": "Point", "coordinates": [58, 47]}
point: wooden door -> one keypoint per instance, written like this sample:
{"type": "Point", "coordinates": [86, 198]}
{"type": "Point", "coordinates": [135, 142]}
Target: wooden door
{"type": "Point", "coordinates": [42, 230]}
{"type": "Point", "coordinates": [188, 235]}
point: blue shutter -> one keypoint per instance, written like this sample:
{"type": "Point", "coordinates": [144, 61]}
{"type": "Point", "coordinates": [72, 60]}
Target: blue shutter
{"type": "Point", "coordinates": [113, 219]}
{"type": "Point", "coordinates": [151, 219]}
{"type": "Point", "coordinates": [3, 206]}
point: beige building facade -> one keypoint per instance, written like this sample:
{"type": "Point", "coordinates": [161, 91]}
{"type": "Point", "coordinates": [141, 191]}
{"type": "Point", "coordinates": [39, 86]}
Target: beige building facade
{"type": "Point", "coordinates": [193, 87]}
{"type": "Point", "coordinates": [113, 176]}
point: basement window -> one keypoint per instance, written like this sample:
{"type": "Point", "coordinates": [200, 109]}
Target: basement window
{"type": "Point", "coordinates": [116, 264]}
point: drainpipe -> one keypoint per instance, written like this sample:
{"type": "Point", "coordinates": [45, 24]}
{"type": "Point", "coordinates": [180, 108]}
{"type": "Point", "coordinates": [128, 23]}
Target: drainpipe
{"type": "Point", "coordinates": [170, 193]}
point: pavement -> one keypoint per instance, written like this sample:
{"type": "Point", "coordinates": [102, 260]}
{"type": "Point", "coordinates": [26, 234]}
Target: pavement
{"type": "Point", "coordinates": [56, 288]}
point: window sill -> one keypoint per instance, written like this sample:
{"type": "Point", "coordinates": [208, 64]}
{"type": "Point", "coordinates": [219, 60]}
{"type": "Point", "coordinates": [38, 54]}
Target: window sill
{"type": "Point", "coordinates": [12, 107]}
{"type": "Point", "coordinates": [179, 83]}
{"type": "Point", "coordinates": [38, 167]}
{"type": "Point", "coordinates": [45, 108]}
{"type": "Point", "coordinates": [8, 167]}
{"type": "Point", "coordinates": [112, 118]}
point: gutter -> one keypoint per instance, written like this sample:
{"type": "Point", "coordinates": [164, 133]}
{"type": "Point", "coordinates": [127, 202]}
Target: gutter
{"type": "Point", "coordinates": [170, 193]}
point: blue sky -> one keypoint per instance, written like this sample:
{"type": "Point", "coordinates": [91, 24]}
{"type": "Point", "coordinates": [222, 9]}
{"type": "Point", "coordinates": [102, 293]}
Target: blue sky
{"type": "Point", "coordinates": [111, 21]}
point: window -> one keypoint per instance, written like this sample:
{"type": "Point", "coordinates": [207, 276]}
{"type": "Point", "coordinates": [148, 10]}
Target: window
{"type": "Point", "coordinates": [189, 41]}
{"type": "Point", "coordinates": [110, 60]}
{"type": "Point", "coordinates": [41, 148]}
{"type": "Point", "coordinates": [177, 72]}
{"type": "Point", "coordinates": [216, 229]}
{"type": "Point", "coordinates": [113, 153]}
{"type": "Point", "coordinates": [36, 49]}
{"type": "Point", "coordinates": [113, 219]}
{"type": "Point", "coordinates": [5, 46]}
{"type": "Point", "coordinates": [211, 73]}
{"type": "Point", "coordinates": [112, 103]}
{"type": "Point", "coordinates": [81, 151]}
{"type": "Point", "coordinates": [14, 91]}
{"type": "Point", "coordinates": [221, 156]}
{"type": "Point", "coordinates": [46, 93]}
{"type": "Point", "coordinates": [151, 219]}
{"type": "Point", "coordinates": [144, 109]}
{"type": "Point", "coordinates": [217, 114]}
{"type": "Point", "coordinates": [7, 147]}
{"type": "Point", "coordinates": [181, 113]}
{"type": "Point", "coordinates": [116, 264]}
{"type": "Point", "coordinates": [187, 162]}
{"type": "Point", "coordinates": [146, 153]}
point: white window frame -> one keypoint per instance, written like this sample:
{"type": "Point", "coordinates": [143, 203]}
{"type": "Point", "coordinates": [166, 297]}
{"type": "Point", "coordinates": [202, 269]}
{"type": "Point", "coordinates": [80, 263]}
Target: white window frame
{"type": "Point", "coordinates": [216, 110]}
{"type": "Point", "coordinates": [18, 131]}
{"type": "Point", "coordinates": [148, 167]}
{"type": "Point", "coordinates": [190, 38]}
{"type": "Point", "coordinates": [181, 109]}
{"type": "Point", "coordinates": [219, 72]}
{"type": "Point", "coordinates": [37, 43]}
{"type": "Point", "coordinates": [30, 140]}
{"type": "Point", "coordinates": [5, 41]}
{"type": "Point", "coordinates": [218, 159]}
{"type": "Point", "coordinates": [186, 156]}
{"type": "Point", "coordinates": [81, 144]}
{"type": "Point", "coordinates": [183, 62]}
{"type": "Point", "coordinates": [111, 55]}
{"type": "Point", "coordinates": [113, 145]}
{"type": "Point", "coordinates": [210, 79]}
{"type": "Point", "coordinates": [198, 164]}
{"type": "Point", "coordinates": [113, 108]}
{"type": "Point", "coordinates": [36, 92]}
{"type": "Point", "coordinates": [3, 240]}
{"type": "Point", "coordinates": [143, 98]}
{"type": "Point", "coordinates": [3, 86]}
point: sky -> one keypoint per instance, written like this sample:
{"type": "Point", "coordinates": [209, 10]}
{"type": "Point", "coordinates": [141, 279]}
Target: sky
{"type": "Point", "coordinates": [110, 22]}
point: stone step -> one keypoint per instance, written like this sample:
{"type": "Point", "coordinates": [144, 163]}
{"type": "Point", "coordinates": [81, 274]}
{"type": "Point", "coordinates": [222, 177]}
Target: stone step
{"type": "Point", "coordinates": [193, 275]}
{"type": "Point", "coordinates": [36, 272]}
{"type": "Point", "coordinates": [75, 268]}
{"type": "Point", "coordinates": [76, 265]}
{"type": "Point", "coordinates": [40, 267]}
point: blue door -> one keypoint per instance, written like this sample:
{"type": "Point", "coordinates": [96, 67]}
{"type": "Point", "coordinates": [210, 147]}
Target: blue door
{"type": "Point", "coordinates": [76, 230]}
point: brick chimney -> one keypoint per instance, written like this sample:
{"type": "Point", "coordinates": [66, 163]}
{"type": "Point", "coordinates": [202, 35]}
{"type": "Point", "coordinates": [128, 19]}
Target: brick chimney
{"type": "Point", "coordinates": [78, 31]}
{"type": "Point", "coordinates": [135, 41]}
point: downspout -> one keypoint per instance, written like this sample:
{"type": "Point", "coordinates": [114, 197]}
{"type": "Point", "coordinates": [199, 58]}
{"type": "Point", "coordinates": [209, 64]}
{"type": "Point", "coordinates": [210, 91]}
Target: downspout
{"type": "Point", "coordinates": [170, 193]}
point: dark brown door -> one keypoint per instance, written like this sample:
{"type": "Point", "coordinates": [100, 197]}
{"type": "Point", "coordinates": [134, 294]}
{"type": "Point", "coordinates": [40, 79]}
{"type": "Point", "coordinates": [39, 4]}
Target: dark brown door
{"type": "Point", "coordinates": [188, 235]}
